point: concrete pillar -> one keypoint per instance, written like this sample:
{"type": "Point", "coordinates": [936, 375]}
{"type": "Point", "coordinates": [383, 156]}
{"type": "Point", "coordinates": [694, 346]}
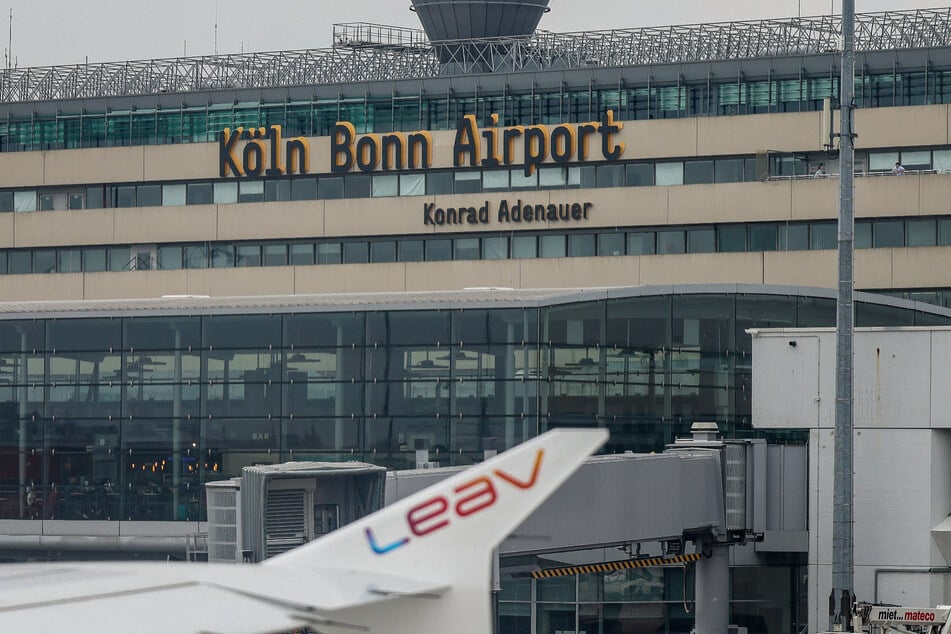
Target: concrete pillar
{"type": "Point", "coordinates": [713, 590]}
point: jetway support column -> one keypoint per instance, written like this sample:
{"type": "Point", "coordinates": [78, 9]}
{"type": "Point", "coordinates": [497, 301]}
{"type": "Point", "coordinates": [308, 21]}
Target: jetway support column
{"type": "Point", "coordinates": [713, 588]}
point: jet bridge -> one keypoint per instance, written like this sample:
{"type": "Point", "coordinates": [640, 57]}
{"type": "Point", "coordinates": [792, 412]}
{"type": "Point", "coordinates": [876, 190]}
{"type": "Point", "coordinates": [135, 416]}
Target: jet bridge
{"type": "Point", "coordinates": [702, 490]}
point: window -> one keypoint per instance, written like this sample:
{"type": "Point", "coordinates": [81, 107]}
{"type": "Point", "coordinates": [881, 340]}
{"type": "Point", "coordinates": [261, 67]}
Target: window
{"type": "Point", "coordinates": [169, 258]}
{"type": "Point", "coordinates": [698, 172]}
{"type": "Point", "coordinates": [823, 236]}
{"type": "Point", "coordinates": [247, 255]}
{"type": "Point", "coordinates": [552, 177]}
{"type": "Point", "coordinates": [640, 243]}
{"type": "Point", "coordinates": [274, 255]}
{"type": "Point", "coordinates": [762, 237]}
{"type": "Point", "coordinates": [6, 201]}
{"type": "Point", "coordinates": [611, 244]}
{"type": "Point", "coordinates": [469, 182]}
{"type": "Point", "coordinates": [729, 170]}
{"type": "Point", "coordinates": [412, 184]}
{"type": "Point", "coordinates": [328, 253]}
{"type": "Point", "coordinates": [69, 261]}
{"type": "Point", "coordinates": [195, 256]}
{"type": "Point", "coordinates": [173, 195]}
{"type": "Point", "coordinates": [226, 193]}
{"type": "Point", "coordinates": [640, 175]}
{"type": "Point", "coordinates": [669, 242]}
{"type": "Point", "coordinates": [882, 161]}
{"type": "Point", "coordinates": [20, 262]}
{"type": "Point", "coordinates": [383, 251]}
{"type": "Point", "coordinates": [356, 253]}
{"type": "Point", "coordinates": [581, 245]}
{"type": "Point", "coordinates": [863, 235]}
{"type": "Point", "coordinates": [521, 181]}
{"type": "Point", "coordinates": [94, 260]}
{"type": "Point", "coordinates": [438, 250]}
{"type": "Point", "coordinates": [921, 233]}
{"type": "Point", "coordinates": [610, 176]}
{"type": "Point", "coordinates": [305, 189]}
{"type": "Point", "coordinates": [119, 258]}
{"type": "Point", "coordinates": [302, 254]}
{"type": "Point", "coordinates": [438, 183]}
{"type": "Point", "coordinates": [222, 256]}
{"type": "Point", "coordinates": [701, 241]}
{"type": "Point", "coordinates": [330, 189]}
{"type": "Point", "coordinates": [199, 194]}
{"type": "Point", "coordinates": [670, 173]}
{"type": "Point", "coordinates": [495, 248]}
{"type": "Point", "coordinates": [44, 261]}
{"type": "Point", "coordinates": [551, 246]}
{"type": "Point", "coordinates": [524, 247]}
{"type": "Point", "coordinates": [251, 191]}
{"type": "Point", "coordinates": [494, 180]}
{"type": "Point", "coordinates": [793, 237]}
{"type": "Point", "coordinates": [149, 196]}
{"type": "Point", "coordinates": [94, 197]}
{"type": "Point", "coordinates": [466, 249]}
{"type": "Point", "coordinates": [47, 202]}
{"type": "Point", "coordinates": [385, 185]}
{"type": "Point", "coordinates": [125, 196]}
{"type": "Point", "coordinates": [24, 201]}
{"type": "Point", "coordinates": [411, 250]}
{"type": "Point", "coordinates": [731, 239]}
{"type": "Point", "coordinates": [277, 191]}
{"type": "Point", "coordinates": [888, 234]}
{"type": "Point", "coordinates": [916, 160]}
{"type": "Point", "coordinates": [357, 185]}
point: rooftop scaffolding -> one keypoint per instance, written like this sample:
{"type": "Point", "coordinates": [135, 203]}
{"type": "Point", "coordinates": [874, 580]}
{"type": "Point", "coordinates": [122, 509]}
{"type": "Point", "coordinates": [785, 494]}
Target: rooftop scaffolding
{"type": "Point", "coordinates": [366, 52]}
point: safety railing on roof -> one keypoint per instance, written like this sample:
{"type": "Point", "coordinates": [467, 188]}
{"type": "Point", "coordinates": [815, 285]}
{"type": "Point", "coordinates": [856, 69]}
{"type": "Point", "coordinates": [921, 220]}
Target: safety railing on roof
{"type": "Point", "coordinates": [365, 52]}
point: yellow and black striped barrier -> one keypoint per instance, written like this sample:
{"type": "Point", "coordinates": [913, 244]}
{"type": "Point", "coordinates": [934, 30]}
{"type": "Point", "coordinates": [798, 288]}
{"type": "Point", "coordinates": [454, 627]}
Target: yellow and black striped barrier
{"type": "Point", "coordinates": [651, 562]}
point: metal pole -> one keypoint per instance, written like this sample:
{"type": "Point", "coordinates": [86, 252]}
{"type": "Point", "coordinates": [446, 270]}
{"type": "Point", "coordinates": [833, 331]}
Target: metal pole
{"type": "Point", "coordinates": [840, 601]}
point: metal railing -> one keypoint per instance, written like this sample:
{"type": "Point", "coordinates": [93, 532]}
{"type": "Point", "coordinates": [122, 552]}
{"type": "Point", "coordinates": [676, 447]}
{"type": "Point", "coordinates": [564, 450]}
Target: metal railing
{"type": "Point", "coordinates": [365, 52]}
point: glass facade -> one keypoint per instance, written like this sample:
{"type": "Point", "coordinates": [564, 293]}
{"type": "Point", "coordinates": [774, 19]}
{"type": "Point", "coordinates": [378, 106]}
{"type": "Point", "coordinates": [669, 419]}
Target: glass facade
{"type": "Point", "coordinates": [647, 600]}
{"type": "Point", "coordinates": [126, 417]}
{"type": "Point", "coordinates": [83, 128]}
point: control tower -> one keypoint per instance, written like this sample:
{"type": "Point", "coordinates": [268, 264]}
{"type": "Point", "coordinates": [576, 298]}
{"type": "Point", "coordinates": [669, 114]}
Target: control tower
{"type": "Point", "coordinates": [452, 20]}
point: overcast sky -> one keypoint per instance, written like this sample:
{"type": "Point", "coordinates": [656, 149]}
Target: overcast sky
{"type": "Point", "coordinates": [49, 32]}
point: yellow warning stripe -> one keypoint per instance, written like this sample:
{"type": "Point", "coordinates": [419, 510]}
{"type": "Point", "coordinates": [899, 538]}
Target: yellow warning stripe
{"type": "Point", "coordinates": [614, 565]}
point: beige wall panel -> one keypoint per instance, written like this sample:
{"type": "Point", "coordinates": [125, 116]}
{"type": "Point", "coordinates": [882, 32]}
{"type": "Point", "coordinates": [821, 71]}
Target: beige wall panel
{"type": "Point", "coordinates": [319, 155]}
{"type": "Point", "coordinates": [622, 206]}
{"type": "Point", "coordinates": [59, 228]}
{"type": "Point", "coordinates": [901, 127]}
{"type": "Point", "coordinates": [27, 288]}
{"type": "Point", "coordinates": [135, 284]}
{"type": "Point", "coordinates": [148, 225]}
{"type": "Point", "coordinates": [814, 198]}
{"type": "Point", "coordinates": [702, 268]}
{"type": "Point", "coordinates": [350, 278]}
{"type": "Point", "coordinates": [21, 169]}
{"type": "Point", "coordinates": [256, 221]}
{"type": "Point", "coordinates": [580, 272]}
{"type": "Point", "coordinates": [454, 276]}
{"type": "Point", "coordinates": [377, 216]}
{"type": "Point", "coordinates": [729, 202]}
{"type": "Point", "coordinates": [575, 272]}
{"type": "Point", "coordinates": [745, 134]}
{"type": "Point", "coordinates": [934, 191]}
{"type": "Point", "coordinates": [873, 268]}
{"type": "Point", "coordinates": [660, 138]}
{"type": "Point", "coordinates": [800, 268]}
{"type": "Point", "coordinates": [95, 165]}
{"type": "Point", "coordinates": [921, 267]}
{"type": "Point", "coordinates": [7, 224]}
{"type": "Point", "coordinates": [184, 161]}
{"type": "Point", "coordinates": [240, 282]}
{"type": "Point", "coordinates": [877, 196]}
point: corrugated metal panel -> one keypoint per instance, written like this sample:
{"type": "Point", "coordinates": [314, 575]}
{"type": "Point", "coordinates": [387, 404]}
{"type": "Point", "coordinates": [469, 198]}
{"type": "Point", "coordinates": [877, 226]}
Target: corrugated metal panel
{"type": "Point", "coordinates": [734, 486]}
{"type": "Point", "coordinates": [285, 526]}
{"type": "Point", "coordinates": [222, 505]}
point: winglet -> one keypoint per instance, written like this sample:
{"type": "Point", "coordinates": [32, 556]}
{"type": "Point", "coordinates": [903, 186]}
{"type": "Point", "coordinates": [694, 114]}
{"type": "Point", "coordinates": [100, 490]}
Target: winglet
{"type": "Point", "coordinates": [447, 532]}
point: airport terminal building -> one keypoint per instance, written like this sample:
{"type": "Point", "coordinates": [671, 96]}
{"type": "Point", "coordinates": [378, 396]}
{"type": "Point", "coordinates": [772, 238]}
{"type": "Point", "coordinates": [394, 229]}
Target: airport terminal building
{"type": "Point", "coordinates": [209, 263]}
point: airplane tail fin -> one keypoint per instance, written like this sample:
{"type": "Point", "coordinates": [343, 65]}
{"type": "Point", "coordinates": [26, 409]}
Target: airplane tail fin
{"type": "Point", "coordinates": [446, 533]}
